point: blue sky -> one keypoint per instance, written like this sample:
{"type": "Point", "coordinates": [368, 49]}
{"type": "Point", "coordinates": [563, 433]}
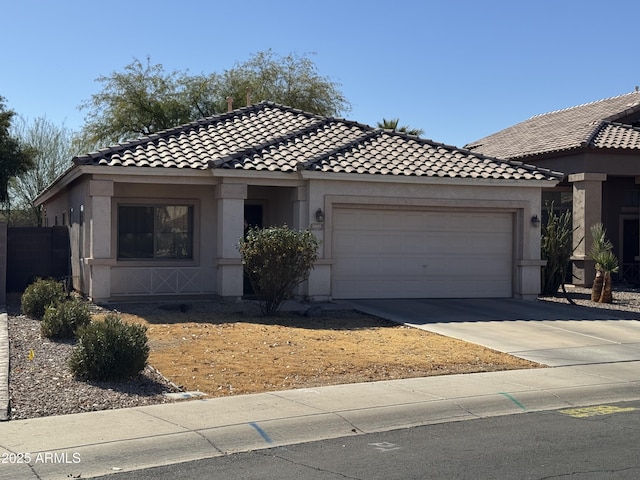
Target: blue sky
{"type": "Point", "coordinates": [458, 69]}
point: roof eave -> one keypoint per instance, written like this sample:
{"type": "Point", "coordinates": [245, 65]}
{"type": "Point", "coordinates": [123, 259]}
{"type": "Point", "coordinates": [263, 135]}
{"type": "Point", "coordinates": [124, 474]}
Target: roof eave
{"type": "Point", "coordinates": [58, 184]}
{"type": "Point", "coordinates": [427, 180]}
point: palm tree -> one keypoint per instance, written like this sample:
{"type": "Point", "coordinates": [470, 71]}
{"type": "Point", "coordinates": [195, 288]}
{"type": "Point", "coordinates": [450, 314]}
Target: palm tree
{"type": "Point", "coordinates": [393, 126]}
{"type": "Point", "coordinates": [606, 264]}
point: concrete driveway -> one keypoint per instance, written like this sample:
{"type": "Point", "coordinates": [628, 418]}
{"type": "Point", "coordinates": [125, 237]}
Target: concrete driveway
{"type": "Point", "coordinates": [550, 333]}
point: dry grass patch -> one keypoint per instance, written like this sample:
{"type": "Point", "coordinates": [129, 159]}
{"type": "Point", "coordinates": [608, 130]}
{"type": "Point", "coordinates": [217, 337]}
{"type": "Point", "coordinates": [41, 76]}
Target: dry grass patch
{"type": "Point", "coordinates": [228, 352]}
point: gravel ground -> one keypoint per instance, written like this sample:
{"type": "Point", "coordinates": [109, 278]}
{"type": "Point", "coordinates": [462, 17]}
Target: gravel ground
{"type": "Point", "coordinates": [41, 384]}
{"type": "Point", "coordinates": [624, 299]}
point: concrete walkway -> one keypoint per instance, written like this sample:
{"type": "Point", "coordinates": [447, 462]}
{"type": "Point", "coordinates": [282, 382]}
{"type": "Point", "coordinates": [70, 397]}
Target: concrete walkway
{"type": "Point", "coordinates": [550, 333]}
{"type": "Point", "coordinates": [96, 443]}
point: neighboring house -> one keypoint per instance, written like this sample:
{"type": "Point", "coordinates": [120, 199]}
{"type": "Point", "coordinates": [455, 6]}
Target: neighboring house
{"type": "Point", "coordinates": [597, 146]}
{"type": "Point", "coordinates": [397, 216]}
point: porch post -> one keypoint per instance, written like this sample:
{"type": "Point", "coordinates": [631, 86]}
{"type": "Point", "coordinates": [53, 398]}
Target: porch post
{"type": "Point", "coordinates": [230, 199]}
{"type": "Point", "coordinates": [100, 193]}
{"type": "Point", "coordinates": [300, 209]}
{"type": "Point", "coordinates": [587, 211]}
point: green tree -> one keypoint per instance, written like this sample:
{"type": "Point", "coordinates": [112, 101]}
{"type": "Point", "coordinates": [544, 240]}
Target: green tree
{"type": "Point", "coordinates": [53, 146]}
{"type": "Point", "coordinates": [144, 98]}
{"type": "Point", "coordinates": [393, 123]}
{"type": "Point", "coordinates": [291, 80]}
{"type": "Point", "coordinates": [15, 159]}
{"type": "Point", "coordinates": [141, 100]}
{"type": "Point", "coordinates": [277, 260]}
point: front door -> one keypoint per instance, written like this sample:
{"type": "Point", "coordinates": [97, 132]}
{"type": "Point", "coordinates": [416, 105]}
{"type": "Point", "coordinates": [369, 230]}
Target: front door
{"type": "Point", "coordinates": [630, 250]}
{"type": "Point", "coordinates": [253, 218]}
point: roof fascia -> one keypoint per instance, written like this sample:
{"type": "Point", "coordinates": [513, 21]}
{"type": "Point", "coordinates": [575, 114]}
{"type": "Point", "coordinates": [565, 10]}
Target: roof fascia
{"type": "Point", "coordinates": [127, 174]}
{"type": "Point", "coordinates": [423, 180]}
{"type": "Point", "coordinates": [151, 175]}
{"type": "Point", "coordinates": [61, 182]}
{"type": "Point", "coordinates": [253, 174]}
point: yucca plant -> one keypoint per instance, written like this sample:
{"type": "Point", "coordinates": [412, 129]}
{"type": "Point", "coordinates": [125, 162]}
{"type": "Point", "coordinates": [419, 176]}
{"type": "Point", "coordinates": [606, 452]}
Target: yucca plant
{"type": "Point", "coordinates": [606, 264]}
{"type": "Point", "coordinates": [556, 249]}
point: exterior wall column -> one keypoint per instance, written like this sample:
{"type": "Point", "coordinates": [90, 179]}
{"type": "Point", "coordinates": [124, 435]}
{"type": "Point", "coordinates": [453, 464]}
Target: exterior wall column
{"type": "Point", "coordinates": [300, 209]}
{"type": "Point", "coordinates": [230, 199]}
{"type": "Point", "coordinates": [587, 211]}
{"type": "Point", "coordinates": [100, 251]}
{"type": "Point", "coordinates": [319, 283]}
{"type": "Point", "coordinates": [528, 262]}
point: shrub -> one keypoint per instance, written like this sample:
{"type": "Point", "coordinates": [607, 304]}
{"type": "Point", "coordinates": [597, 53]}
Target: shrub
{"type": "Point", "coordinates": [63, 319]}
{"type": "Point", "coordinates": [277, 260]}
{"type": "Point", "coordinates": [109, 350]}
{"type": "Point", "coordinates": [39, 295]}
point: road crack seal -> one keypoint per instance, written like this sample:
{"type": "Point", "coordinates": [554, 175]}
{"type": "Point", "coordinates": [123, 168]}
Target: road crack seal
{"type": "Point", "coordinates": [317, 469]}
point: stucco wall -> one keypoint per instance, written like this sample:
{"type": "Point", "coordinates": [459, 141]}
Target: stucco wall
{"type": "Point", "coordinates": [196, 276]}
{"type": "Point", "coordinates": [289, 199]}
{"type": "Point", "coordinates": [522, 201]}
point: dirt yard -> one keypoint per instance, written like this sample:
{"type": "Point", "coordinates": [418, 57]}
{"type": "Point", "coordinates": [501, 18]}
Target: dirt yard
{"type": "Point", "coordinates": [225, 352]}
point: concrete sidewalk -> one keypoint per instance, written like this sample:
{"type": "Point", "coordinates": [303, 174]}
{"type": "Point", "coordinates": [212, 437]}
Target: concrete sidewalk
{"type": "Point", "coordinates": [96, 443]}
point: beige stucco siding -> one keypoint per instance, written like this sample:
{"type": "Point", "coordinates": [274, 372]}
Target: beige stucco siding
{"type": "Point", "coordinates": [291, 199]}
{"type": "Point", "coordinates": [518, 200]}
{"type": "Point", "coordinates": [169, 277]}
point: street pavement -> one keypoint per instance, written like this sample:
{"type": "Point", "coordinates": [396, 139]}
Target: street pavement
{"type": "Point", "coordinates": [595, 355]}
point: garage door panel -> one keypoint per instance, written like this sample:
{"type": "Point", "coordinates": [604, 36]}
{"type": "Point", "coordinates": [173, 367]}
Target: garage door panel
{"type": "Point", "coordinates": [395, 253]}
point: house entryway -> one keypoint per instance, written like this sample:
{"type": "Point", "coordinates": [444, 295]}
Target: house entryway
{"type": "Point", "coordinates": [629, 265]}
{"type": "Point", "coordinates": [253, 218]}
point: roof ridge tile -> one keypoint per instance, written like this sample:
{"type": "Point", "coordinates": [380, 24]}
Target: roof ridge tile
{"type": "Point", "coordinates": [308, 164]}
{"type": "Point", "coordinates": [586, 104]}
{"type": "Point", "coordinates": [269, 143]}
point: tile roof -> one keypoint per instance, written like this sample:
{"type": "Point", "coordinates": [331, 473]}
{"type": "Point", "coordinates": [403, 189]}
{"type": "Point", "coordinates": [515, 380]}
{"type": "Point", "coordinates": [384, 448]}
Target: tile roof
{"type": "Point", "coordinates": [616, 135]}
{"type": "Point", "coordinates": [567, 129]}
{"type": "Point", "coordinates": [271, 137]}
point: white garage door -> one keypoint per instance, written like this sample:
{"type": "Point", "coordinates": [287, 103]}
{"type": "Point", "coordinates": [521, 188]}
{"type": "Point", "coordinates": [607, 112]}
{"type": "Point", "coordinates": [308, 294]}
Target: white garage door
{"type": "Point", "coordinates": [421, 254]}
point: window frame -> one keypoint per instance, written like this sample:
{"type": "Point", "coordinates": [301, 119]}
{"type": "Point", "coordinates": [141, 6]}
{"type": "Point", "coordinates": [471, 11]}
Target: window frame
{"type": "Point", "coordinates": [154, 204]}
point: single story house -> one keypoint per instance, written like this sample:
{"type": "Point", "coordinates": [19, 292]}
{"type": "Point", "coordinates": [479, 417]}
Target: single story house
{"type": "Point", "coordinates": [597, 146]}
{"type": "Point", "coordinates": [397, 216]}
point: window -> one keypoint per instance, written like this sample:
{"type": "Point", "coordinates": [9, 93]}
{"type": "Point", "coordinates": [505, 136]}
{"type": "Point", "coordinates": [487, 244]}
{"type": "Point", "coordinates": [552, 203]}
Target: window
{"type": "Point", "coordinates": [562, 200]}
{"type": "Point", "coordinates": [631, 198]}
{"type": "Point", "coordinates": [158, 232]}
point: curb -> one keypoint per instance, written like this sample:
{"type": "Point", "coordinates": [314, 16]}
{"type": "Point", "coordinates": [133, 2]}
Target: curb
{"type": "Point", "coordinates": [4, 368]}
{"type": "Point", "coordinates": [164, 434]}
